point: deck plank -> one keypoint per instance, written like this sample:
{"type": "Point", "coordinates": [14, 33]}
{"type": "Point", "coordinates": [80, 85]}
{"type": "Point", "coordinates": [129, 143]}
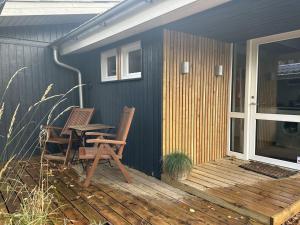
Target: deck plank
{"type": "Point", "coordinates": [190, 201]}
{"type": "Point", "coordinates": [28, 180]}
{"type": "Point", "coordinates": [263, 198]}
{"type": "Point", "coordinates": [71, 214]}
{"type": "Point", "coordinates": [72, 197]}
{"type": "Point", "coordinates": [162, 194]}
{"type": "Point", "coordinates": [146, 201]}
{"type": "Point", "coordinates": [158, 202]}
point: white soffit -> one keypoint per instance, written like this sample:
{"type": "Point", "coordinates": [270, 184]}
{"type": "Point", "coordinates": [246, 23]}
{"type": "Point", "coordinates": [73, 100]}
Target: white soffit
{"type": "Point", "coordinates": [55, 7]}
{"type": "Point", "coordinates": [154, 15]}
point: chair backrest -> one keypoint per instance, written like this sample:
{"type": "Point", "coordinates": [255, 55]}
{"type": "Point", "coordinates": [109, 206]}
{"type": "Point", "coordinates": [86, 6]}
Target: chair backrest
{"type": "Point", "coordinates": [124, 126]}
{"type": "Point", "coordinates": [78, 117]}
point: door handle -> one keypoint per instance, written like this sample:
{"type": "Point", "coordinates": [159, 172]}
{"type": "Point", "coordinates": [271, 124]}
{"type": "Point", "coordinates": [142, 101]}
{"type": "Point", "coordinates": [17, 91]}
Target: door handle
{"type": "Point", "coordinates": [253, 103]}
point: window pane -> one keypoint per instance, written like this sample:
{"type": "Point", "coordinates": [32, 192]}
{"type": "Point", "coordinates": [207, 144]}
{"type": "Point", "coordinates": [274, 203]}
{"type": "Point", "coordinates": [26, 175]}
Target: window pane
{"type": "Point", "coordinates": [279, 77]}
{"type": "Point", "coordinates": [111, 66]}
{"type": "Point", "coordinates": [238, 77]}
{"type": "Point", "coordinates": [237, 135]}
{"type": "Point", "coordinates": [278, 140]}
{"type": "Point", "coordinates": [134, 61]}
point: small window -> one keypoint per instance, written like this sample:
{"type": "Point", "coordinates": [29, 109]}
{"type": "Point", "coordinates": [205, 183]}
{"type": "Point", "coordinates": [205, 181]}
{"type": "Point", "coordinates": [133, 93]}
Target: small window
{"type": "Point", "coordinates": [131, 61]}
{"type": "Point", "coordinates": [109, 65]}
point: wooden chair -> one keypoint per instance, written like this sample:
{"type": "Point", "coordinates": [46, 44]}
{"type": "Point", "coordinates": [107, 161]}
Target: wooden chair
{"type": "Point", "coordinates": [108, 149]}
{"type": "Point", "coordinates": [78, 116]}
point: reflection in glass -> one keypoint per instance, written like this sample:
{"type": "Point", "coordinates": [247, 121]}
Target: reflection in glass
{"type": "Point", "coordinates": [278, 140]}
{"type": "Point", "coordinates": [134, 61]}
{"type": "Point", "coordinates": [279, 77]}
{"type": "Point", "coordinates": [238, 77]}
{"type": "Point", "coordinates": [237, 135]}
{"type": "Point", "coordinates": [111, 66]}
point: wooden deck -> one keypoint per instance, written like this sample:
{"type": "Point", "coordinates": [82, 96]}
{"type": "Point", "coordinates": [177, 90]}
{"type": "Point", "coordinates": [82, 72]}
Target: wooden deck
{"type": "Point", "coordinates": [268, 200]}
{"type": "Point", "coordinates": [145, 201]}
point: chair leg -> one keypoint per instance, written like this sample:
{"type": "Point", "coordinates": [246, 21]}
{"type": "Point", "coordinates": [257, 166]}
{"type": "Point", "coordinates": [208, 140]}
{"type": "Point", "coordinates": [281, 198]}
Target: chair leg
{"type": "Point", "coordinates": [90, 170]}
{"type": "Point", "coordinates": [121, 167]}
{"type": "Point", "coordinates": [68, 153]}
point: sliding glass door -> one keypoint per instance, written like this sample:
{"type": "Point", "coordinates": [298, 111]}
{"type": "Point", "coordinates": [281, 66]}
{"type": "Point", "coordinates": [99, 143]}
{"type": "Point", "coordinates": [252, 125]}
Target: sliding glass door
{"type": "Point", "coordinates": [274, 100]}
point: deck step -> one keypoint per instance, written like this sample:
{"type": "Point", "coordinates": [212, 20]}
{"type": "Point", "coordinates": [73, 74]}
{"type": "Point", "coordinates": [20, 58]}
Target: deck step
{"type": "Point", "coordinates": [269, 201]}
{"type": "Point", "coordinates": [216, 200]}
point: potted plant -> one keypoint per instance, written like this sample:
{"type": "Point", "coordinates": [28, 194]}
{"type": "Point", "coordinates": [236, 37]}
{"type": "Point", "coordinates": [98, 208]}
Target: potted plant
{"type": "Point", "coordinates": [177, 166]}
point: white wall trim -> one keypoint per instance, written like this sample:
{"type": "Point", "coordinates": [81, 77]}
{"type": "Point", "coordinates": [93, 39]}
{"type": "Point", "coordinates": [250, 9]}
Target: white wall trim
{"type": "Point", "coordinates": [276, 37]}
{"type": "Point", "coordinates": [239, 115]}
{"type": "Point", "coordinates": [233, 115]}
{"type": "Point", "coordinates": [229, 101]}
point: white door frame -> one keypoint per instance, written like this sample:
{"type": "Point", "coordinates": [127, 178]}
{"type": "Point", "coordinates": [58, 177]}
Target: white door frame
{"type": "Point", "coordinates": [251, 98]}
{"type": "Point", "coordinates": [233, 115]}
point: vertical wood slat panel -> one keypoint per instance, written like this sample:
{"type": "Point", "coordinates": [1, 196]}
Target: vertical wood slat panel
{"type": "Point", "coordinates": [195, 106]}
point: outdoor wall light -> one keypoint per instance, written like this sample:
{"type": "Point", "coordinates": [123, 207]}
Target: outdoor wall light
{"type": "Point", "coordinates": [185, 67]}
{"type": "Point", "coordinates": [219, 70]}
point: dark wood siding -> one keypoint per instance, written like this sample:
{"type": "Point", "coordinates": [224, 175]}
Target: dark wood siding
{"type": "Point", "coordinates": [46, 33]}
{"type": "Point", "coordinates": [27, 47]}
{"type": "Point", "coordinates": [143, 150]}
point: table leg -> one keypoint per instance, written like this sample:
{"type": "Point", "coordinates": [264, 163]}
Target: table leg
{"type": "Point", "coordinates": [83, 143]}
{"type": "Point", "coordinates": [76, 150]}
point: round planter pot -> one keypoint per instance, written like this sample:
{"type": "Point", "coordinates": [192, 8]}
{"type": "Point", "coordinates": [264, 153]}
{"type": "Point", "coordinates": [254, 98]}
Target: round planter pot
{"type": "Point", "coordinates": [180, 176]}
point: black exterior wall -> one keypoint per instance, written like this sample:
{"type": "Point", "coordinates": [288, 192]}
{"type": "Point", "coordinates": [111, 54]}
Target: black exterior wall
{"type": "Point", "coordinates": [143, 150]}
{"type": "Point", "coordinates": [27, 47]}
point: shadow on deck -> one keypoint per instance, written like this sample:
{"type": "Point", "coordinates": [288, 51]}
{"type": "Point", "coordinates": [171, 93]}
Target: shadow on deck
{"type": "Point", "coordinates": [223, 182]}
{"type": "Point", "coordinates": [145, 201]}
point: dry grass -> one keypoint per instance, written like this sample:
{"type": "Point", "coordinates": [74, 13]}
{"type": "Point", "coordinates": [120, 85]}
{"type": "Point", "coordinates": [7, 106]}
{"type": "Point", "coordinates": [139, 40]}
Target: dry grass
{"type": "Point", "coordinates": [37, 202]}
{"type": "Point", "coordinates": [36, 208]}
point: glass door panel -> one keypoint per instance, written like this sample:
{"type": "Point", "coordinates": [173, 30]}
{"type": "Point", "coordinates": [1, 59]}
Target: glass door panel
{"type": "Point", "coordinates": [278, 140]}
{"type": "Point", "coordinates": [237, 114]}
{"type": "Point", "coordinates": [278, 84]}
{"type": "Point", "coordinates": [277, 106]}
{"type": "Point", "coordinates": [237, 135]}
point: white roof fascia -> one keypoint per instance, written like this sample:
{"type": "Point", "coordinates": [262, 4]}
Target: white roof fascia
{"type": "Point", "coordinates": [157, 13]}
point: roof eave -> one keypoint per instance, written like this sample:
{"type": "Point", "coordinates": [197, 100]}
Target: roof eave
{"type": "Point", "coordinates": [124, 5]}
{"type": "Point", "coordinates": [134, 20]}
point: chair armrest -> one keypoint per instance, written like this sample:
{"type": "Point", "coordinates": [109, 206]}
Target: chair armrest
{"type": "Point", "coordinates": [99, 134]}
{"type": "Point", "coordinates": [52, 127]}
{"type": "Point", "coordinates": [106, 141]}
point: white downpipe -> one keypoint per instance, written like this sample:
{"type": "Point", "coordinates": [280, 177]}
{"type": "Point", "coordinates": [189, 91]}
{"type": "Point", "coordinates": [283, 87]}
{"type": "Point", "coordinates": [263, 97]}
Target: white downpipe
{"type": "Point", "coordinates": [56, 60]}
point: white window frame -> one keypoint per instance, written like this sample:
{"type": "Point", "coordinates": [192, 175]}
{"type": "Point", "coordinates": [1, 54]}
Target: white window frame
{"type": "Point", "coordinates": [104, 56]}
{"type": "Point", "coordinates": [124, 61]}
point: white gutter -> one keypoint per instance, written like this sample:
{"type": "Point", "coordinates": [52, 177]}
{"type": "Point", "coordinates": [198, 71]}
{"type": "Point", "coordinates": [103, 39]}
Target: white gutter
{"type": "Point", "coordinates": [56, 60]}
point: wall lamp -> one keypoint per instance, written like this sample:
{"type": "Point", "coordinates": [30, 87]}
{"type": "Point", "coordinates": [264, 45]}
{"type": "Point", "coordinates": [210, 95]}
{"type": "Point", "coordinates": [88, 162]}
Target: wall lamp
{"type": "Point", "coordinates": [185, 67]}
{"type": "Point", "coordinates": [219, 71]}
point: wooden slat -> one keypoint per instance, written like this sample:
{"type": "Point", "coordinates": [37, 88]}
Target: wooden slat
{"type": "Point", "coordinates": [58, 217]}
{"type": "Point", "coordinates": [195, 105]}
{"type": "Point", "coordinates": [71, 197]}
{"type": "Point", "coordinates": [170, 199]}
{"type": "Point", "coordinates": [223, 182]}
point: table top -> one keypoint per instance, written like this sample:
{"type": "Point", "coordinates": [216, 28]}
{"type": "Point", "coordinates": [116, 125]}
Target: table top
{"type": "Point", "coordinates": [91, 127]}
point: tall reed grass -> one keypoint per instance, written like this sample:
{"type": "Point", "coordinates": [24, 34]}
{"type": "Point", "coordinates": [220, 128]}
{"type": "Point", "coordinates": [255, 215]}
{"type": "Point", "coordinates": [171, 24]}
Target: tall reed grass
{"type": "Point", "coordinates": [19, 142]}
